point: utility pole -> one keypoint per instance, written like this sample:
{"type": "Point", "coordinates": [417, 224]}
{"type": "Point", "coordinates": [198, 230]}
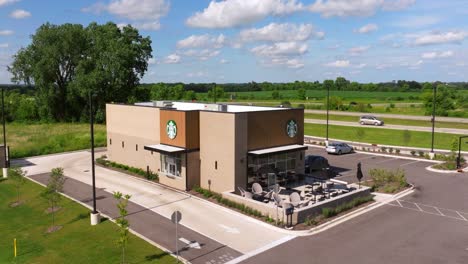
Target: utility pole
{"type": "Point", "coordinates": [433, 120]}
{"type": "Point", "coordinates": [328, 106]}
{"type": "Point", "coordinates": [459, 151]}
{"type": "Point", "coordinates": [5, 165]}
{"type": "Point", "coordinates": [95, 216]}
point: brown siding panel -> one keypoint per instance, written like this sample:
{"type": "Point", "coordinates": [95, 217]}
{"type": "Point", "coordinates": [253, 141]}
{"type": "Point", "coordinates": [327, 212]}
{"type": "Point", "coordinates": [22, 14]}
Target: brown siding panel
{"type": "Point", "coordinates": [267, 129]}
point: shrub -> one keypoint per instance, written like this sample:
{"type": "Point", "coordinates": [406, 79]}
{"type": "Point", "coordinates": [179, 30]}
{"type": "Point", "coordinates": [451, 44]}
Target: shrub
{"type": "Point", "coordinates": [426, 156]}
{"type": "Point", "coordinates": [384, 149]}
{"type": "Point", "coordinates": [390, 150]}
{"type": "Point", "coordinates": [392, 105]}
{"type": "Point", "coordinates": [397, 151]}
{"type": "Point", "coordinates": [388, 180]}
{"type": "Point", "coordinates": [413, 153]}
{"type": "Point", "coordinates": [330, 212]}
{"type": "Point", "coordinates": [421, 153]}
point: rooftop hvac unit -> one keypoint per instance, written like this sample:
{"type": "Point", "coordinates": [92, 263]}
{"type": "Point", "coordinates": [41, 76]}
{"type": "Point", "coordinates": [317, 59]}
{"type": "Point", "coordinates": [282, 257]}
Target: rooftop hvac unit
{"type": "Point", "coordinates": [222, 108]}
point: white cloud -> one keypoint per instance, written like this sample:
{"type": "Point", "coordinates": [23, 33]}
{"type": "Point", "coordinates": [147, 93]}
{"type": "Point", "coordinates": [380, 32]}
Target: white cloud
{"type": "Point", "coordinates": [202, 41]}
{"type": "Point", "coordinates": [223, 61]}
{"type": "Point", "coordinates": [7, 2]}
{"type": "Point", "coordinates": [203, 54]}
{"type": "Point", "coordinates": [197, 74]}
{"type": "Point", "coordinates": [6, 32]}
{"type": "Point", "coordinates": [20, 14]}
{"type": "Point", "coordinates": [395, 5]}
{"type": "Point", "coordinates": [343, 8]}
{"type": "Point", "coordinates": [280, 49]}
{"type": "Point", "coordinates": [383, 66]}
{"type": "Point", "coordinates": [338, 64]}
{"type": "Point", "coordinates": [438, 37]}
{"type": "Point", "coordinates": [274, 32]}
{"type": "Point", "coordinates": [417, 21]}
{"type": "Point", "coordinates": [283, 61]}
{"type": "Point", "coordinates": [225, 14]}
{"type": "Point", "coordinates": [149, 12]}
{"type": "Point", "coordinates": [435, 54]}
{"type": "Point", "coordinates": [360, 66]}
{"type": "Point", "coordinates": [358, 50]}
{"type": "Point", "coordinates": [172, 59]}
{"type": "Point", "coordinates": [366, 29]}
{"type": "Point", "coordinates": [4, 45]}
{"type": "Point", "coordinates": [152, 61]}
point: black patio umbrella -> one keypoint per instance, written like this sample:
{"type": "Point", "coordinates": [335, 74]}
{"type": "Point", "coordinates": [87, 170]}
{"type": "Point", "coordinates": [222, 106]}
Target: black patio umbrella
{"type": "Point", "coordinates": [359, 174]}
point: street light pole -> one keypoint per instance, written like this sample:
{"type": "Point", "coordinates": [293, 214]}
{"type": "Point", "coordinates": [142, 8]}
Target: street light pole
{"type": "Point", "coordinates": [5, 165]}
{"type": "Point", "coordinates": [433, 120]}
{"type": "Point", "coordinates": [328, 105]}
{"type": "Point", "coordinates": [459, 151]}
{"type": "Point", "coordinates": [95, 217]}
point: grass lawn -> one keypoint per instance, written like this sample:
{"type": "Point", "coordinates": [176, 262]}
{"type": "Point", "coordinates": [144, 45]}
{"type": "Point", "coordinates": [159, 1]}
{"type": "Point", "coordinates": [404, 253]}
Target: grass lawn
{"type": "Point", "coordinates": [76, 242]}
{"type": "Point", "coordinates": [27, 140]}
{"type": "Point", "coordinates": [391, 121]}
{"type": "Point", "coordinates": [384, 136]}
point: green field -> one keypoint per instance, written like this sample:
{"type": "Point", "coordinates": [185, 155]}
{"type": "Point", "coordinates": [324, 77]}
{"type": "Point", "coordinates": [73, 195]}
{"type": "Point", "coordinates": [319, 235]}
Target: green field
{"type": "Point", "coordinates": [390, 121]}
{"type": "Point", "coordinates": [347, 96]}
{"type": "Point", "coordinates": [384, 136]}
{"type": "Point", "coordinates": [77, 241]}
{"type": "Point", "coordinates": [27, 140]}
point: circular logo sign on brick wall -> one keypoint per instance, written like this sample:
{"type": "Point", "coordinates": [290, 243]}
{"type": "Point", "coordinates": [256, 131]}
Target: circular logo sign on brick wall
{"type": "Point", "coordinates": [171, 129]}
{"type": "Point", "coordinates": [291, 128]}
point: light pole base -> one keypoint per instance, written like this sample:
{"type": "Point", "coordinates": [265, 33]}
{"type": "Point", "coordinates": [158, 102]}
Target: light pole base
{"type": "Point", "coordinates": [5, 172]}
{"type": "Point", "coordinates": [95, 218]}
{"type": "Point", "coordinates": [431, 155]}
{"type": "Point", "coordinates": [326, 143]}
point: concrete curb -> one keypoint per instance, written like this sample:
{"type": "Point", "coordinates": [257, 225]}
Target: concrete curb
{"type": "Point", "coordinates": [384, 155]}
{"type": "Point", "coordinates": [96, 150]}
{"type": "Point", "coordinates": [429, 168]}
{"type": "Point", "coordinates": [112, 220]}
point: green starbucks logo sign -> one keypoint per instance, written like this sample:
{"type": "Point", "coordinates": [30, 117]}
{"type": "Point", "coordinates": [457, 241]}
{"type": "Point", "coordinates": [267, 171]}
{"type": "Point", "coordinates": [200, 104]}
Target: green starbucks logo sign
{"type": "Point", "coordinates": [171, 129]}
{"type": "Point", "coordinates": [291, 128]}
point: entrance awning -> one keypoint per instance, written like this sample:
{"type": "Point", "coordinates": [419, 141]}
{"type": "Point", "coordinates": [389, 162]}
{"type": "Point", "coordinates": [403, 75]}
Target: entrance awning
{"type": "Point", "coordinates": [161, 148]}
{"type": "Point", "coordinates": [282, 149]}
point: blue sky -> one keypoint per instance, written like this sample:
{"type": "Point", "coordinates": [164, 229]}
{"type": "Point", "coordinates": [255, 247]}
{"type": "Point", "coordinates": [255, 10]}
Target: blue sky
{"type": "Point", "coordinates": [269, 40]}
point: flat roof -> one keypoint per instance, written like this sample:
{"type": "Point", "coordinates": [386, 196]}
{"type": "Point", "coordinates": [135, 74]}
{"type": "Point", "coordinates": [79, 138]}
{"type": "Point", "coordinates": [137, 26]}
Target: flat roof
{"type": "Point", "coordinates": [188, 106]}
{"type": "Point", "coordinates": [164, 148]}
{"type": "Point", "coordinates": [288, 148]}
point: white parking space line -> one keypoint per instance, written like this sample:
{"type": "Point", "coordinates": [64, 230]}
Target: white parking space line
{"type": "Point", "coordinates": [371, 157]}
{"type": "Point", "coordinates": [461, 216]}
{"type": "Point", "coordinates": [412, 162]}
{"type": "Point", "coordinates": [418, 207]}
{"type": "Point", "coordinates": [437, 209]}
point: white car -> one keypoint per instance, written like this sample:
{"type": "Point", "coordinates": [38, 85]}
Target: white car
{"type": "Point", "coordinates": [370, 120]}
{"type": "Point", "coordinates": [339, 148]}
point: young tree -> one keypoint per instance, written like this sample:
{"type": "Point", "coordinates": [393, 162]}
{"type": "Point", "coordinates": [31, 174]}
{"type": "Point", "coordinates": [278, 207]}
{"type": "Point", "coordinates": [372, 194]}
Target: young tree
{"type": "Point", "coordinates": [275, 95]}
{"type": "Point", "coordinates": [52, 192]}
{"type": "Point", "coordinates": [18, 176]}
{"type": "Point", "coordinates": [122, 221]}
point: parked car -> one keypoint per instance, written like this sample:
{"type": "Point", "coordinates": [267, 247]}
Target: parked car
{"type": "Point", "coordinates": [370, 120]}
{"type": "Point", "coordinates": [339, 148]}
{"type": "Point", "coordinates": [315, 163]}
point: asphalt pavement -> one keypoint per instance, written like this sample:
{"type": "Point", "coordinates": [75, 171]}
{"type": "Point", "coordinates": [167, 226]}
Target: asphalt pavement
{"type": "Point", "coordinates": [151, 225]}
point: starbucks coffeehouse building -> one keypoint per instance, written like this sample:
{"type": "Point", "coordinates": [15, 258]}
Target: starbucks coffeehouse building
{"type": "Point", "coordinates": [218, 147]}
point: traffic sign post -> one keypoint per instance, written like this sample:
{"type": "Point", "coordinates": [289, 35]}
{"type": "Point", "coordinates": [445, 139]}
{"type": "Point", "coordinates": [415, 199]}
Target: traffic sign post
{"type": "Point", "coordinates": [175, 218]}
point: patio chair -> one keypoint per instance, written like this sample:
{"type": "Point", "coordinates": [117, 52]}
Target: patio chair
{"type": "Point", "coordinates": [248, 195]}
{"type": "Point", "coordinates": [257, 188]}
{"type": "Point", "coordinates": [295, 199]}
{"type": "Point", "coordinates": [277, 199]}
{"type": "Point", "coordinates": [242, 191]}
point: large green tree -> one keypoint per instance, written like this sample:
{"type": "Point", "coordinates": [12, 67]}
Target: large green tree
{"type": "Point", "coordinates": [66, 63]}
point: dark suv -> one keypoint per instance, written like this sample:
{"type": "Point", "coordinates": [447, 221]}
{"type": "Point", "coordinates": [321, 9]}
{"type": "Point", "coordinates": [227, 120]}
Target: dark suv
{"type": "Point", "coordinates": [315, 163]}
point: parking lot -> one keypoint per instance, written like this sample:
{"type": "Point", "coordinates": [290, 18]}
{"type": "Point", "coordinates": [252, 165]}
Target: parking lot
{"type": "Point", "coordinates": [346, 164]}
{"type": "Point", "coordinates": [428, 226]}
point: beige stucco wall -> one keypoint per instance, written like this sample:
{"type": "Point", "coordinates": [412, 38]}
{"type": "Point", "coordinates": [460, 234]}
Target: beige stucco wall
{"type": "Point", "coordinates": [133, 125]}
{"type": "Point", "coordinates": [217, 144]}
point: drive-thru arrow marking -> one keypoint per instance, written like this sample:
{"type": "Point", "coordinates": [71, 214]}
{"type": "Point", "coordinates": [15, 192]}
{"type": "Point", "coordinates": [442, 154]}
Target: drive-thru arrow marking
{"type": "Point", "coordinates": [230, 229]}
{"type": "Point", "coordinates": [190, 244]}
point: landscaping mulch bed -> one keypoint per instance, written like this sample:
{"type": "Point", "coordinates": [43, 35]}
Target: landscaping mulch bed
{"type": "Point", "coordinates": [53, 229]}
{"type": "Point", "coordinates": [322, 220]}
{"type": "Point", "coordinates": [124, 171]}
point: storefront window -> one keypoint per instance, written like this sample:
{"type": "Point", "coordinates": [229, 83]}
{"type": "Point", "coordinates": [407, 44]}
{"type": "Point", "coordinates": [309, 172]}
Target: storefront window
{"type": "Point", "coordinates": [171, 165]}
{"type": "Point", "coordinates": [269, 170]}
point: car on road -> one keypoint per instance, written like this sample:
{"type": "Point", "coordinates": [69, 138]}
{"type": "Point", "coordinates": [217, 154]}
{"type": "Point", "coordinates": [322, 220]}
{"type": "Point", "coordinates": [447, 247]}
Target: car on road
{"type": "Point", "coordinates": [370, 120]}
{"type": "Point", "coordinates": [315, 163]}
{"type": "Point", "coordinates": [339, 148]}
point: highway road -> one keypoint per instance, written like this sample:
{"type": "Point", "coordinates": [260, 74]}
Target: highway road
{"type": "Point", "coordinates": [396, 127]}
{"type": "Point", "coordinates": [408, 117]}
